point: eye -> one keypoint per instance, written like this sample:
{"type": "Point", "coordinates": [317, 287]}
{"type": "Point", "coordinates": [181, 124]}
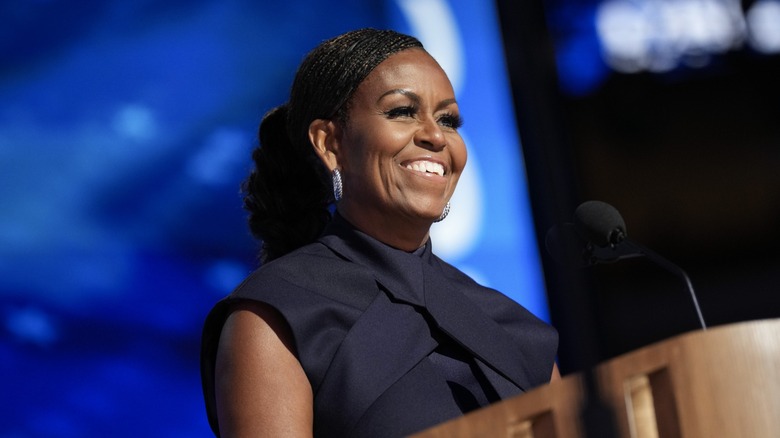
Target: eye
{"type": "Point", "coordinates": [401, 111]}
{"type": "Point", "coordinates": [450, 120]}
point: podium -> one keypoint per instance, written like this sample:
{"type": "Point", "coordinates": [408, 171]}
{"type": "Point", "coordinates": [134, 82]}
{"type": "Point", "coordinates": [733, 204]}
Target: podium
{"type": "Point", "coordinates": [723, 382]}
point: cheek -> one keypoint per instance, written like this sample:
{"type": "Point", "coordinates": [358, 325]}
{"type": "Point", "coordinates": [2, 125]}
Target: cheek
{"type": "Point", "coordinates": [390, 138]}
{"type": "Point", "coordinates": [459, 155]}
{"type": "Point", "coordinates": [378, 146]}
{"type": "Point", "coordinates": [366, 163]}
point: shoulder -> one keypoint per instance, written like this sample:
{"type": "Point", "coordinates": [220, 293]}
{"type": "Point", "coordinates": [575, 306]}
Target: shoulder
{"type": "Point", "coordinates": [312, 293]}
{"type": "Point", "coordinates": [312, 273]}
{"type": "Point", "coordinates": [310, 288]}
{"type": "Point", "coordinates": [504, 310]}
{"type": "Point", "coordinates": [481, 295]}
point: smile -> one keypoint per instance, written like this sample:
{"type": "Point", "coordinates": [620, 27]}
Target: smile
{"type": "Point", "coordinates": [427, 167]}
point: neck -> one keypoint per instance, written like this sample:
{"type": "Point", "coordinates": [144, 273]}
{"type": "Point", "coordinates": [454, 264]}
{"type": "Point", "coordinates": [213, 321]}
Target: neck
{"type": "Point", "coordinates": [406, 234]}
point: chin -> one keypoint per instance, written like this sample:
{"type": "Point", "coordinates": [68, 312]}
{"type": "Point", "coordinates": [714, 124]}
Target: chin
{"type": "Point", "coordinates": [431, 214]}
{"type": "Point", "coordinates": [426, 209]}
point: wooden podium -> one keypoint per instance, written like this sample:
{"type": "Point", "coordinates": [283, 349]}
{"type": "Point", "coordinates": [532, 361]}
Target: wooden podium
{"type": "Point", "coordinates": [723, 382]}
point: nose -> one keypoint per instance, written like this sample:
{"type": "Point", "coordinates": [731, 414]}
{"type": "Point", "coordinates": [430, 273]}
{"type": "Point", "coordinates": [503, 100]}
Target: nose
{"type": "Point", "coordinates": [430, 135]}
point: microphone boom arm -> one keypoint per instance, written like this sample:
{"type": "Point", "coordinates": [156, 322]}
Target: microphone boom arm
{"type": "Point", "coordinates": [671, 267]}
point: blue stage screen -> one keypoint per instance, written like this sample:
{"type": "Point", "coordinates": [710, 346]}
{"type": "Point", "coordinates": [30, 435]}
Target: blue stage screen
{"type": "Point", "coordinates": [125, 131]}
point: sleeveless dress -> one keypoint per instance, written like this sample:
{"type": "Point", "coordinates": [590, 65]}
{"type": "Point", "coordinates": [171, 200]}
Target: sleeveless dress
{"type": "Point", "coordinates": [391, 342]}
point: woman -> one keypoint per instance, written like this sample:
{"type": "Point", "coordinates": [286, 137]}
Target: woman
{"type": "Point", "coordinates": [353, 327]}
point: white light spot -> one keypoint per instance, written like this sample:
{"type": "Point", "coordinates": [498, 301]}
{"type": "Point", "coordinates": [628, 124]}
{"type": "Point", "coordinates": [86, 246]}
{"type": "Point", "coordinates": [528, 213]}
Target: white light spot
{"type": "Point", "coordinates": [624, 35]}
{"type": "Point", "coordinates": [764, 23]}
{"type": "Point", "coordinates": [434, 24]}
{"type": "Point", "coordinates": [658, 35]}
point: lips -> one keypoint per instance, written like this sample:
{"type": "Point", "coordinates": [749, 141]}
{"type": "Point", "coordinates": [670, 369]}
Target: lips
{"type": "Point", "coordinates": [425, 166]}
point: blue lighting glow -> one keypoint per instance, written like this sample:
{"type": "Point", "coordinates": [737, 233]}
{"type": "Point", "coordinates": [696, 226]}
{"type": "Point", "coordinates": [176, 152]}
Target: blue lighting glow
{"type": "Point", "coordinates": [125, 131]}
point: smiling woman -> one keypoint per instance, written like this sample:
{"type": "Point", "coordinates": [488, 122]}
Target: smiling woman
{"type": "Point", "coordinates": [352, 326]}
{"type": "Point", "coordinates": [400, 153]}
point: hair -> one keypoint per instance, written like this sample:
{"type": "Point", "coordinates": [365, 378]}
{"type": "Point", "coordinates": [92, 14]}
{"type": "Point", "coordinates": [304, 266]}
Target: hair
{"type": "Point", "coordinates": [288, 193]}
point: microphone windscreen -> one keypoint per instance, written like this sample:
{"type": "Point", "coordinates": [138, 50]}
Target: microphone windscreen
{"type": "Point", "coordinates": [599, 223]}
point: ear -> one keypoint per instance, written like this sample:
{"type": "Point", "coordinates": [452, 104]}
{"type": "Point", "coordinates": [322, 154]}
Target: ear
{"type": "Point", "coordinates": [324, 136]}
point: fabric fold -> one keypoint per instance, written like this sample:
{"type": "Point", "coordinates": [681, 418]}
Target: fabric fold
{"type": "Point", "coordinates": [383, 345]}
{"type": "Point", "coordinates": [368, 318]}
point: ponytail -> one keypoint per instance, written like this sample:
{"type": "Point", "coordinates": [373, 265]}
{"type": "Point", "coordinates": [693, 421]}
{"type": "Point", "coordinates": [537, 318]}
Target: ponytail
{"type": "Point", "coordinates": [287, 193]}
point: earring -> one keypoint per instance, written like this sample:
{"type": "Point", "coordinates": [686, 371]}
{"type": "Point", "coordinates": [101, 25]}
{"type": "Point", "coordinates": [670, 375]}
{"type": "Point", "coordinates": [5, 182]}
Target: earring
{"type": "Point", "coordinates": [338, 188]}
{"type": "Point", "coordinates": [444, 213]}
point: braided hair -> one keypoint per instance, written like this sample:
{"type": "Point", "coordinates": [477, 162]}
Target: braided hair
{"type": "Point", "coordinates": [289, 191]}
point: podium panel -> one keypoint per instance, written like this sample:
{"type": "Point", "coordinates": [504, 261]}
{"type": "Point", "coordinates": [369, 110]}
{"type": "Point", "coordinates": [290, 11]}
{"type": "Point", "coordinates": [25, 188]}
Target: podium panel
{"type": "Point", "coordinates": [723, 382]}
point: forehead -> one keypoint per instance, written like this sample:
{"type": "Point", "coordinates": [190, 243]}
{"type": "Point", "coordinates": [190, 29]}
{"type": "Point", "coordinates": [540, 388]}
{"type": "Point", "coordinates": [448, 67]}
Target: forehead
{"type": "Point", "coordinates": [412, 69]}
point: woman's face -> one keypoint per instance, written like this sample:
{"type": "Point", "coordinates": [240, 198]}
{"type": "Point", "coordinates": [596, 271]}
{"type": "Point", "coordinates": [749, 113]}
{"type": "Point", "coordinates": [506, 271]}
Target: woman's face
{"type": "Point", "coordinates": [399, 152]}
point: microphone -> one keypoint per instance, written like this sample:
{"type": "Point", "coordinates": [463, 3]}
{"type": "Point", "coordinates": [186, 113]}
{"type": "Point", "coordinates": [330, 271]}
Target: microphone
{"type": "Point", "coordinates": [599, 223]}
{"type": "Point", "coordinates": [598, 235]}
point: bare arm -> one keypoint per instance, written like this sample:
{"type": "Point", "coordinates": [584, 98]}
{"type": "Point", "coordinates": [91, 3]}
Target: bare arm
{"type": "Point", "coordinates": [556, 374]}
{"type": "Point", "coordinates": [261, 388]}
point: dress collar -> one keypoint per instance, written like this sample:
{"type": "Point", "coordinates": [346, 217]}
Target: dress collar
{"type": "Point", "coordinates": [420, 280]}
{"type": "Point", "coordinates": [399, 271]}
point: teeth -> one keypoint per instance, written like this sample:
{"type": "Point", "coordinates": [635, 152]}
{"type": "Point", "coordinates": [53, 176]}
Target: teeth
{"type": "Point", "coordinates": [426, 167]}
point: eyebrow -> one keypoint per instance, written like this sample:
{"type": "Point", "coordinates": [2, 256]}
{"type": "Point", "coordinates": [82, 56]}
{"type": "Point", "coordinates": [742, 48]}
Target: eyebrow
{"type": "Point", "coordinates": [416, 98]}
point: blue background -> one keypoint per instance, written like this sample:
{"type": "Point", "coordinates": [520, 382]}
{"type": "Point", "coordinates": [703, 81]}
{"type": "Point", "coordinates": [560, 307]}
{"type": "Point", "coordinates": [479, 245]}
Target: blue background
{"type": "Point", "coordinates": [125, 130]}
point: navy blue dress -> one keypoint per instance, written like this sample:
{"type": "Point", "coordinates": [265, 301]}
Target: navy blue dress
{"type": "Point", "coordinates": [391, 342]}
